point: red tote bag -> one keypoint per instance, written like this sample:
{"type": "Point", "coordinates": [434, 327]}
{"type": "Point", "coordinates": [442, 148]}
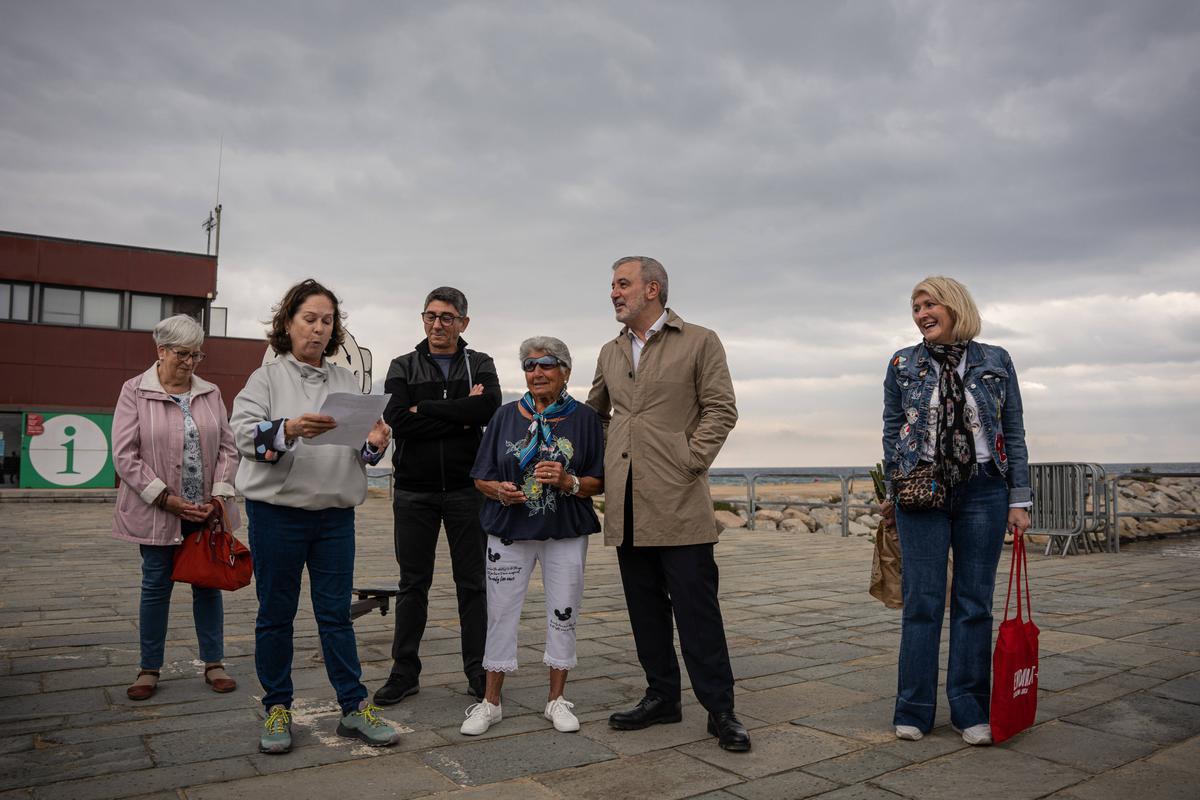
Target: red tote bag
{"type": "Point", "coordinates": [1015, 662]}
{"type": "Point", "coordinates": [212, 558]}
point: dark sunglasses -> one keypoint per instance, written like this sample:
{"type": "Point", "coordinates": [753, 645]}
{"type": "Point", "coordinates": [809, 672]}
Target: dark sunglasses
{"type": "Point", "coordinates": [545, 362]}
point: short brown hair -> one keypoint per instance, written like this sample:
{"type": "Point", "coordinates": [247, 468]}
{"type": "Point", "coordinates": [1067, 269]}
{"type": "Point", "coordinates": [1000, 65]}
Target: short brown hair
{"type": "Point", "coordinates": [277, 335]}
{"type": "Point", "coordinates": [957, 300]}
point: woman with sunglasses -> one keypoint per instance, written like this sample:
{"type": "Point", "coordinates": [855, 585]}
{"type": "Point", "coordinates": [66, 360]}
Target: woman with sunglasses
{"type": "Point", "coordinates": [174, 450]}
{"type": "Point", "coordinates": [540, 462]}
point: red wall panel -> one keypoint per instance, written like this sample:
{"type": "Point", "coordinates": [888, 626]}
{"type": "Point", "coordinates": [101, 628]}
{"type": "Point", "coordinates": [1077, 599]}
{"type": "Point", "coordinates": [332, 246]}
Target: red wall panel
{"type": "Point", "coordinates": [53, 366]}
{"type": "Point", "coordinates": [105, 266]}
{"type": "Point", "coordinates": [18, 258]}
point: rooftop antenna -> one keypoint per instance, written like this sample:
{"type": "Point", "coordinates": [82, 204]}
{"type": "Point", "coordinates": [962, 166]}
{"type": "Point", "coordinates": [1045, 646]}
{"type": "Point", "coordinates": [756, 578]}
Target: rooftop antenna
{"type": "Point", "coordinates": [214, 217]}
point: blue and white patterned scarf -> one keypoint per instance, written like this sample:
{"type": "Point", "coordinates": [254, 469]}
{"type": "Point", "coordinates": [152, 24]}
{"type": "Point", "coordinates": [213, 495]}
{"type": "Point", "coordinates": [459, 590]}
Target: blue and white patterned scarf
{"type": "Point", "coordinates": [540, 434]}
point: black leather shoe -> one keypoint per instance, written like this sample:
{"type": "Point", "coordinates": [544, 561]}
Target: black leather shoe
{"type": "Point", "coordinates": [650, 711]}
{"type": "Point", "coordinates": [476, 686]}
{"type": "Point", "coordinates": [395, 690]}
{"type": "Point", "coordinates": [730, 732]}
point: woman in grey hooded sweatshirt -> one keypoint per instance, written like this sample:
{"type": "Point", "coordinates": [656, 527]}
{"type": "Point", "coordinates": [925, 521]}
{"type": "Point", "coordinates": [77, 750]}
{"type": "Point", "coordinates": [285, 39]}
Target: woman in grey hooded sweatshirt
{"type": "Point", "coordinates": [300, 501]}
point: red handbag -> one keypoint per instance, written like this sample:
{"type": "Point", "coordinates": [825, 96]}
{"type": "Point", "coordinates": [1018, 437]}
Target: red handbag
{"type": "Point", "coordinates": [1015, 661]}
{"type": "Point", "coordinates": [212, 558]}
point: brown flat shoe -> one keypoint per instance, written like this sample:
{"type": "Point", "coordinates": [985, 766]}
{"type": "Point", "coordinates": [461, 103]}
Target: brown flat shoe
{"type": "Point", "coordinates": [143, 691]}
{"type": "Point", "coordinates": [219, 685]}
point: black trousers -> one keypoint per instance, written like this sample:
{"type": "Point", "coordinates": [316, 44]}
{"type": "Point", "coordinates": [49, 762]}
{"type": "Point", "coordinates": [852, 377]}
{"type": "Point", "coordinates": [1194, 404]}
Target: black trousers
{"type": "Point", "coordinates": [661, 582]}
{"type": "Point", "coordinates": [417, 518]}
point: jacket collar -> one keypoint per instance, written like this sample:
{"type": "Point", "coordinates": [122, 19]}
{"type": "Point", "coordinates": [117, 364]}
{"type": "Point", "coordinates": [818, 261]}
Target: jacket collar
{"type": "Point", "coordinates": [423, 347]}
{"type": "Point", "coordinates": [921, 358]}
{"type": "Point", "coordinates": [151, 384]}
{"type": "Point", "coordinates": [673, 321]}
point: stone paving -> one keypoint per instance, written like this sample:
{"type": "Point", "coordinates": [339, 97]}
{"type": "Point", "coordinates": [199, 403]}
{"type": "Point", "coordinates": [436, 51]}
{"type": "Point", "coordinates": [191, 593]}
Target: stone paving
{"type": "Point", "coordinates": [814, 654]}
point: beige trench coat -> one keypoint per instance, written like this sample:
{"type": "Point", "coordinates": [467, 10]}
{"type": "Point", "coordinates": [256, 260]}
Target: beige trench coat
{"type": "Point", "coordinates": [669, 421]}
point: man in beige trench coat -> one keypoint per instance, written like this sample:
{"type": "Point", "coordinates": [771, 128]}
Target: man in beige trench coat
{"type": "Point", "coordinates": [663, 389]}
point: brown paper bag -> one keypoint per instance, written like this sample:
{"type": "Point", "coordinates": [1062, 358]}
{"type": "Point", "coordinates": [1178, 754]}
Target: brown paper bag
{"type": "Point", "coordinates": [885, 567]}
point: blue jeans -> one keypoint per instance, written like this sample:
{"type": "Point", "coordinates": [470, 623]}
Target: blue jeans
{"type": "Point", "coordinates": [284, 540]}
{"type": "Point", "coordinates": [972, 526]}
{"type": "Point", "coordinates": [207, 612]}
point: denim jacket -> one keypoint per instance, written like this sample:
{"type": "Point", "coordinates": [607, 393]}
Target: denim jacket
{"type": "Point", "coordinates": [990, 378]}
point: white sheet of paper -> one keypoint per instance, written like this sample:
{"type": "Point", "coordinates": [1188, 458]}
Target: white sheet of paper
{"type": "Point", "coordinates": [355, 415]}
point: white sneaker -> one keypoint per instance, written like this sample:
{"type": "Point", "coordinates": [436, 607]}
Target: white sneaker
{"type": "Point", "coordinates": [909, 733]}
{"type": "Point", "coordinates": [480, 717]}
{"type": "Point", "coordinates": [977, 735]}
{"type": "Point", "coordinates": [558, 711]}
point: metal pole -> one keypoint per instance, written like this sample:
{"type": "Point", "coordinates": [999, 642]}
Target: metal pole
{"type": "Point", "coordinates": [845, 507]}
{"type": "Point", "coordinates": [751, 500]}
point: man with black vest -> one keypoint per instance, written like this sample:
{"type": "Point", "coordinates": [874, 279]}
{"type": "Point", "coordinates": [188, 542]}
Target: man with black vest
{"type": "Point", "coordinates": [442, 396]}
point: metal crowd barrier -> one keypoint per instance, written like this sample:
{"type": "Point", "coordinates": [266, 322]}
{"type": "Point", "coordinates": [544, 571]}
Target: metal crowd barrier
{"type": "Point", "coordinates": [1058, 504]}
{"type": "Point", "coordinates": [1114, 514]}
{"type": "Point", "coordinates": [1071, 507]}
{"type": "Point", "coordinates": [1075, 504]}
{"type": "Point", "coordinates": [751, 477]}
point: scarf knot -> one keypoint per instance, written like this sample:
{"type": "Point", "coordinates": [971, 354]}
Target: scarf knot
{"type": "Point", "coordinates": [541, 436]}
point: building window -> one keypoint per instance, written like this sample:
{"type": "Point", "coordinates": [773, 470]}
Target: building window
{"type": "Point", "coordinates": [145, 311]}
{"type": "Point", "coordinates": [61, 306]}
{"type": "Point", "coordinates": [14, 301]}
{"type": "Point", "coordinates": [217, 321]}
{"type": "Point", "coordinates": [102, 309]}
{"type": "Point", "coordinates": [81, 307]}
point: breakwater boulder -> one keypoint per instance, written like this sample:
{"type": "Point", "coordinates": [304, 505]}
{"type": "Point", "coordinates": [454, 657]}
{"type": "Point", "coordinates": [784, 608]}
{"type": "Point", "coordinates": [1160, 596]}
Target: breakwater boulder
{"type": "Point", "coordinates": [1157, 495]}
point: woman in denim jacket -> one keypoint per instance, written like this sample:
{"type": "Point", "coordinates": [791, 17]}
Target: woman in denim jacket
{"type": "Point", "coordinates": [952, 401]}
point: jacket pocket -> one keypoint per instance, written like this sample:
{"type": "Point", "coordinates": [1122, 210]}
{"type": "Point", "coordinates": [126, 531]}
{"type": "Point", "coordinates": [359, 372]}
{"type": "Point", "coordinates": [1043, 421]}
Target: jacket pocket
{"type": "Point", "coordinates": [668, 456]}
{"type": "Point", "coordinates": [996, 384]}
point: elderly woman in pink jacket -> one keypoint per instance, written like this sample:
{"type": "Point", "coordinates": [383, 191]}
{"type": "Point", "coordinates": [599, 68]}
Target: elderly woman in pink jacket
{"type": "Point", "coordinates": [174, 450]}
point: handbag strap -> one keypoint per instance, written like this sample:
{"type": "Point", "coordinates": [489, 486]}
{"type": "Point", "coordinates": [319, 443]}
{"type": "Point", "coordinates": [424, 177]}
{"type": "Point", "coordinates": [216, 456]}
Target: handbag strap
{"type": "Point", "coordinates": [1014, 567]}
{"type": "Point", "coordinates": [216, 522]}
{"type": "Point", "coordinates": [1025, 567]}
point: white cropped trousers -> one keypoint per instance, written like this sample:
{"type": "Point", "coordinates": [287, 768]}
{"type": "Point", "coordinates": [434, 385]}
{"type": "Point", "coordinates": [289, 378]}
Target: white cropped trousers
{"type": "Point", "coordinates": [509, 568]}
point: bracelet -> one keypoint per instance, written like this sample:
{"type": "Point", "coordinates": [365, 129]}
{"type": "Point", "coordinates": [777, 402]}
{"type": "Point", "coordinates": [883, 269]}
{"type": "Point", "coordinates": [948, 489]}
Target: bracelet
{"type": "Point", "coordinates": [161, 500]}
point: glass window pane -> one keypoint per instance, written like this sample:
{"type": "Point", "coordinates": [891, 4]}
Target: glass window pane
{"type": "Point", "coordinates": [102, 308]}
{"type": "Point", "coordinates": [20, 302]}
{"type": "Point", "coordinates": [60, 306]}
{"type": "Point", "coordinates": [218, 318]}
{"type": "Point", "coordinates": [5, 296]}
{"type": "Point", "coordinates": [145, 312]}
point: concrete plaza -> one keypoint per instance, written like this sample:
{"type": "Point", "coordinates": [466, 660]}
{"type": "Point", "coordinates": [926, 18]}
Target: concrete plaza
{"type": "Point", "coordinates": [814, 654]}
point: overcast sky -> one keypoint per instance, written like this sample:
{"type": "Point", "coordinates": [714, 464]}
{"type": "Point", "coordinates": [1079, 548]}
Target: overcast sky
{"type": "Point", "coordinates": [796, 166]}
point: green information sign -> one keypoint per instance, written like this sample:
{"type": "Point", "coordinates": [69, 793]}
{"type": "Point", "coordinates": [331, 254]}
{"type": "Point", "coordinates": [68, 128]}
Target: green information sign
{"type": "Point", "coordinates": [65, 450]}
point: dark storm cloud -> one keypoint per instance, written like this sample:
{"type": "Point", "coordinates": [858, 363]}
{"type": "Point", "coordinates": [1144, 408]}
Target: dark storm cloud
{"type": "Point", "coordinates": [797, 166]}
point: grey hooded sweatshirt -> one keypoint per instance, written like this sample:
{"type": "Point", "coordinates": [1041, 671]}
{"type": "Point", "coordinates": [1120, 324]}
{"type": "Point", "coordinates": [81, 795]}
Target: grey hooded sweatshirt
{"type": "Point", "coordinates": [308, 476]}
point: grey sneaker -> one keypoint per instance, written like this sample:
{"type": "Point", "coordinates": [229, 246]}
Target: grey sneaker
{"type": "Point", "coordinates": [277, 731]}
{"type": "Point", "coordinates": [366, 724]}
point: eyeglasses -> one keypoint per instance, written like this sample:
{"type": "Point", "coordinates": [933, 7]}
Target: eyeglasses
{"type": "Point", "coordinates": [446, 317]}
{"type": "Point", "coordinates": [195, 356]}
{"type": "Point", "coordinates": [545, 362]}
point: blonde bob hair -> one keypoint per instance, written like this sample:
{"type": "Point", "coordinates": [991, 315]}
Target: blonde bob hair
{"type": "Point", "coordinates": [957, 300]}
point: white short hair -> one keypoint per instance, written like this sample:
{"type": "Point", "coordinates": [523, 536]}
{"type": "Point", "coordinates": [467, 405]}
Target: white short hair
{"type": "Point", "coordinates": [178, 331]}
{"type": "Point", "coordinates": [548, 345]}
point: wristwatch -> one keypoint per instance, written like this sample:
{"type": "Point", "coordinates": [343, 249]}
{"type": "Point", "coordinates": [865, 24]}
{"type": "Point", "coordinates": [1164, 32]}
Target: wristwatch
{"type": "Point", "coordinates": [574, 490]}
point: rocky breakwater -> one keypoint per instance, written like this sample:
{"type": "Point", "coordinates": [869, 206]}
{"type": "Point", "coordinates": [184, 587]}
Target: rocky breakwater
{"type": "Point", "coordinates": [1157, 495]}
{"type": "Point", "coordinates": [802, 515]}
{"type": "Point", "coordinates": [1142, 495]}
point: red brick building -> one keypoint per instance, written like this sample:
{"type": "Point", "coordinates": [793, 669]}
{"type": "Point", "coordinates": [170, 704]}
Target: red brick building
{"type": "Point", "coordinates": [76, 317]}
